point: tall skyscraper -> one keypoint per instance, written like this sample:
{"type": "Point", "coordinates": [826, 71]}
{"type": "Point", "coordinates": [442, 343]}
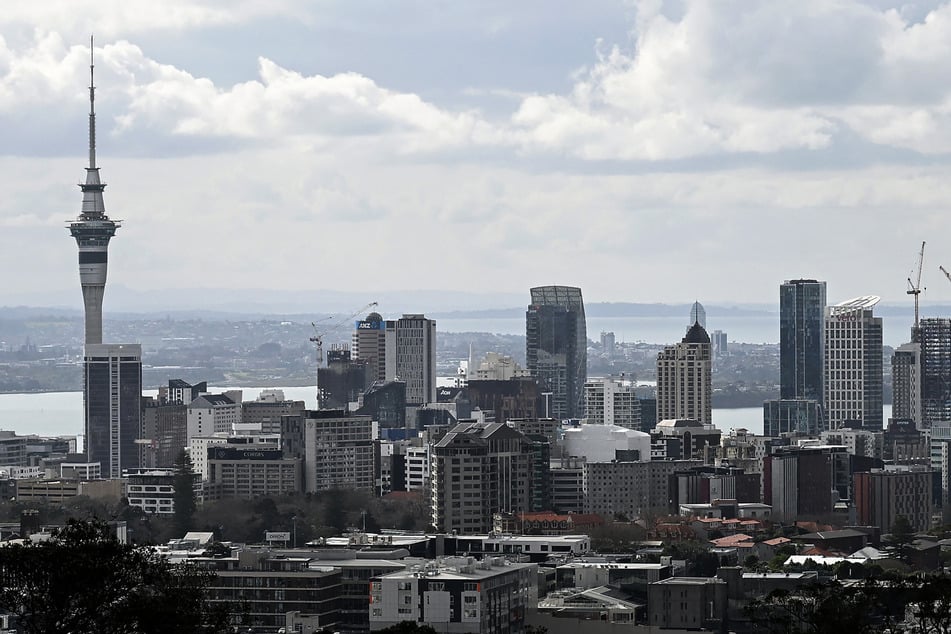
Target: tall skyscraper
{"type": "Point", "coordinates": [411, 356]}
{"type": "Point", "coordinates": [92, 230]}
{"type": "Point", "coordinates": [684, 378]}
{"type": "Point", "coordinates": [112, 394]}
{"type": "Point", "coordinates": [934, 337]}
{"type": "Point", "coordinates": [801, 314]}
{"type": "Point", "coordinates": [556, 347]}
{"type": "Point", "coordinates": [853, 364]}
{"type": "Point", "coordinates": [112, 373]}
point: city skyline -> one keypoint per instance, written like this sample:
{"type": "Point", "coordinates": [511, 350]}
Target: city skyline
{"type": "Point", "coordinates": [571, 141]}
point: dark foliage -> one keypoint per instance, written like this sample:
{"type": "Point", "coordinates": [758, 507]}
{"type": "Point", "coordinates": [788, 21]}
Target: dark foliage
{"type": "Point", "coordinates": [84, 580]}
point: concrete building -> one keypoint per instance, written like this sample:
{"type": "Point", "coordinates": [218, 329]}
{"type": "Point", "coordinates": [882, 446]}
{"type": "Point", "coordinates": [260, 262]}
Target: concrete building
{"type": "Point", "coordinates": [165, 428]}
{"type": "Point", "coordinates": [181, 392]}
{"type": "Point", "coordinates": [684, 438]}
{"type": "Point", "coordinates": [853, 364]}
{"type": "Point", "coordinates": [411, 356]}
{"type": "Point", "coordinates": [497, 367]}
{"type": "Point", "coordinates": [604, 443]}
{"type": "Point", "coordinates": [906, 383]}
{"type": "Point", "coordinates": [806, 482]}
{"type": "Point", "coordinates": [265, 412]}
{"type": "Point", "coordinates": [556, 348]}
{"type": "Point", "coordinates": [338, 451]}
{"type": "Point", "coordinates": [684, 378]}
{"type": "Point", "coordinates": [858, 442]}
{"type": "Point", "coordinates": [152, 490]}
{"type": "Point", "coordinates": [112, 394]}
{"type": "Point", "coordinates": [418, 468]}
{"type": "Point", "coordinates": [721, 346]}
{"type": "Point", "coordinates": [688, 603]}
{"type": "Point", "coordinates": [456, 595]}
{"type": "Point", "coordinates": [567, 485]}
{"type": "Point", "coordinates": [214, 414]}
{"type": "Point", "coordinates": [632, 489]}
{"type": "Point", "coordinates": [801, 339]}
{"type": "Point", "coordinates": [249, 472]}
{"type": "Point", "coordinates": [518, 397]}
{"type": "Point", "coordinates": [784, 416]}
{"type": "Point", "coordinates": [479, 469]}
{"type": "Point", "coordinates": [881, 495]}
{"type": "Point", "coordinates": [262, 588]}
{"type": "Point", "coordinates": [612, 402]}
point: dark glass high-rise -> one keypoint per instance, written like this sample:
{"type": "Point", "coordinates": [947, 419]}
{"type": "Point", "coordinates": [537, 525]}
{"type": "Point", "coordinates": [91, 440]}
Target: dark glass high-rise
{"type": "Point", "coordinates": [556, 346]}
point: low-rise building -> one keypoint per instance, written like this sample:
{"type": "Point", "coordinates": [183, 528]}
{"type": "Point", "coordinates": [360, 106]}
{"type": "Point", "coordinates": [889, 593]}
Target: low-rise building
{"type": "Point", "coordinates": [152, 490]}
{"type": "Point", "coordinates": [457, 594]}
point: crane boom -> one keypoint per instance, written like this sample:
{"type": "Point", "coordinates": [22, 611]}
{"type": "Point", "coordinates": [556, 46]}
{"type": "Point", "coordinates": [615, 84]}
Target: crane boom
{"type": "Point", "coordinates": [914, 288]}
{"type": "Point", "coordinates": [946, 274]}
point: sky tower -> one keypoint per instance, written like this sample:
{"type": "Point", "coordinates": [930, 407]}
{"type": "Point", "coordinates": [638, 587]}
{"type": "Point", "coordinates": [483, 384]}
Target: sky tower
{"type": "Point", "coordinates": [93, 229]}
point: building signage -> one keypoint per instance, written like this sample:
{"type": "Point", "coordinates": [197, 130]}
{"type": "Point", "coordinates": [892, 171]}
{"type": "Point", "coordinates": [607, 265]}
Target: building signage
{"type": "Point", "coordinates": [370, 325]}
{"type": "Point", "coordinates": [277, 536]}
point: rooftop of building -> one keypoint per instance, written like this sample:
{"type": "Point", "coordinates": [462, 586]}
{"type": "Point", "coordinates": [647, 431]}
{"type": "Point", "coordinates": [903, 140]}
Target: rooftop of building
{"type": "Point", "coordinates": [696, 334]}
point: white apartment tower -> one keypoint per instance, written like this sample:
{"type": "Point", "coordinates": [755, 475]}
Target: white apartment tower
{"type": "Point", "coordinates": [612, 402]}
{"type": "Point", "coordinates": [852, 363]}
{"type": "Point", "coordinates": [684, 379]}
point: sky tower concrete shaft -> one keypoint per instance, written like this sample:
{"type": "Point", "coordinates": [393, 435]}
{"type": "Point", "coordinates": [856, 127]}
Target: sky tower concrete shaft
{"type": "Point", "coordinates": [93, 229]}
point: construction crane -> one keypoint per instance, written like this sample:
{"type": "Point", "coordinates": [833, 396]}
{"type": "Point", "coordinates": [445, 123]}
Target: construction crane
{"type": "Point", "coordinates": [319, 333]}
{"type": "Point", "coordinates": [914, 288]}
{"type": "Point", "coordinates": [946, 274]}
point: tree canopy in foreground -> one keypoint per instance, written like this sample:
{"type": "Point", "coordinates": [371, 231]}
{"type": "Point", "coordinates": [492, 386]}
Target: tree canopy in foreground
{"type": "Point", "coordinates": [83, 580]}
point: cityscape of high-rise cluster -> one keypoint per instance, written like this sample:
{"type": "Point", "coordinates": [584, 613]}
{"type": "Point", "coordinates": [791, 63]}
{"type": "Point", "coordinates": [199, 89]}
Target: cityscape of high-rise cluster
{"type": "Point", "coordinates": [523, 498]}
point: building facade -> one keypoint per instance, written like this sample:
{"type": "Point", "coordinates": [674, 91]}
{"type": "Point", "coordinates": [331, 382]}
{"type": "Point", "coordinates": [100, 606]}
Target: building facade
{"type": "Point", "coordinates": [684, 379]}
{"type": "Point", "coordinates": [801, 335]}
{"type": "Point", "coordinates": [612, 402]}
{"type": "Point", "coordinates": [411, 356]}
{"type": "Point", "coordinates": [800, 416]}
{"type": "Point", "coordinates": [882, 495]}
{"type": "Point", "coordinates": [906, 383]}
{"type": "Point", "coordinates": [934, 336]}
{"type": "Point", "coordinates": [853, 364]}
{"type": "Point", "coordinates": [479, 469]}
{"type": "Point", "coordinates": [338, 451]}
{"type": "Point", "coordinates": [556, 348]}
{"type": "Point", "coordinates": [112, 394]}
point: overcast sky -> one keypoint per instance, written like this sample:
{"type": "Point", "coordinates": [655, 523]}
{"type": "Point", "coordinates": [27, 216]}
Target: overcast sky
{"type": "Point", "coordinates": [646, 151]}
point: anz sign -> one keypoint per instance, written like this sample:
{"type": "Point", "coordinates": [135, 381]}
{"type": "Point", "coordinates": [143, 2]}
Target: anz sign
{"type": "Point", "coordinates": [370, 325]}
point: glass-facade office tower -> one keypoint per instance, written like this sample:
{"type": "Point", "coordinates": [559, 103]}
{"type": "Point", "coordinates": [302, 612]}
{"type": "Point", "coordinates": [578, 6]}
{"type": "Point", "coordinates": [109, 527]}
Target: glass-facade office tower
{"type": "Point", "coordinates": [801, 313]}
{"type": "Point", "coordinates": [853, 364]}
{"type": "Point", "coordinates": [112, 393]}
{"type": "Point", "coordinates": [556, 348]}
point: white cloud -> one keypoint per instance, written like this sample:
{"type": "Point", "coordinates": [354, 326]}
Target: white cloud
{"type": "Point", "coordinates": [737, 77]}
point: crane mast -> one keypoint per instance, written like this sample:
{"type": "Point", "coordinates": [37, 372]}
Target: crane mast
{"type": "Point", "coordinates": [914, 288]}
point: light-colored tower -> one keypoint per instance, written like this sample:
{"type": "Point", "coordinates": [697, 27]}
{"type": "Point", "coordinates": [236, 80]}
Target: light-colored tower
{"type": "Point", "coordinates": [853, 364]}
{"type": "Point", "coordinates": [93, 229]}
{"type": "Point", "coordinates": [411, 356]}
{"type": "Point", "coordinates": [684, 378]}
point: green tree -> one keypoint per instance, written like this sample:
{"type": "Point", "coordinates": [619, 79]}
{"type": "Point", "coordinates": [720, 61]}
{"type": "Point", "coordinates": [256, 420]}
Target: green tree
{"type": "Point", "coordinates": [902, 534]}
{"type": "Point", "coordinates": [185, 500]}
{"type": "Point", "coordinates": [83, 580]}
{"type": "Point", "coordinates": [408, 627]}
